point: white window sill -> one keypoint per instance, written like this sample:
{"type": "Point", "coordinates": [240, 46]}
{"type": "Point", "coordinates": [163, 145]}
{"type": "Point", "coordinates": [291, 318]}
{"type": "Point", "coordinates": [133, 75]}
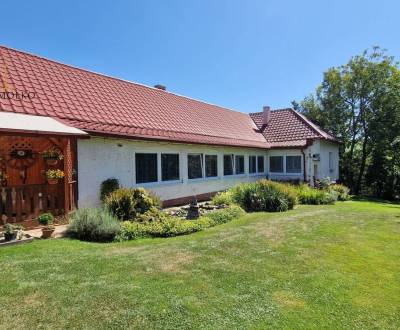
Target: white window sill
{"type": "Point", "coordinates": [282, 173]}
{"type": "Point", "coordinates": [235, 176]}
{"type": "Point", "coordinates": [257, 174]}
{"type": "Point", "coordinates": [158, 183]}
{"type": "Point", "coordinates": [204, 179]}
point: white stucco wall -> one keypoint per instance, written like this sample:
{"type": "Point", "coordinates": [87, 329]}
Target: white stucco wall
{"type": "Point", "coordinates": [322, 148]}
{"type": "Point", "coordinates": [103, 158]}
{"type": "Point", "coordinates": [325, 170]}
{"type": "Point", "coordinates": [318, 147]}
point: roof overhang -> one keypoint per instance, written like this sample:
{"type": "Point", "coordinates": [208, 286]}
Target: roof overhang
{"type": "Point", "coordinates": [17, 123]}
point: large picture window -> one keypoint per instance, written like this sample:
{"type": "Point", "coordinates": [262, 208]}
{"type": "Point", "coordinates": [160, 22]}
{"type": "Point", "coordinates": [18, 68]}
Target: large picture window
{"type": "Point", "coordinates": [211, 165]}
{"type": "Point", "coordinates": [276, 164]}
{"type": "Point", "coordinates": [169, 167]}
{"type": "Point", "coordinates": [239, 164]}
{"type": "Point", "coordinates": [195, 166]}
{"type": "Point", "coordinates": [293, 164]}
{"type": "Point", "coordinates": [146, 168]}
{"type": "Point", "coordinates": [260, 164]}
{"type": "Point", "coordinates": [252, 164]}
{"type": "Point", "coordinates": [228, 164]}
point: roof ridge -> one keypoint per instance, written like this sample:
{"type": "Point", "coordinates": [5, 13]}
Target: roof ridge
{"type": "Point", "coordinates": [272, 110]}
{"type": "Point", "coordinates": [118, 79]}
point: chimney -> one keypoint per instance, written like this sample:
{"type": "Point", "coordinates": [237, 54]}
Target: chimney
{"type": "Point", "coordinates": [162, 87]}
{"type": "Point", "coordinates": [266, 115]}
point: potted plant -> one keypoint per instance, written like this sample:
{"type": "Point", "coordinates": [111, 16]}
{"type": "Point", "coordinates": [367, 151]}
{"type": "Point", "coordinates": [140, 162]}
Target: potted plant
{"type": "Point", "coordinates": [54, 175]}
{"type": "Point", "coordinates": [46, 220]}
{"type": "Point", "coordinates": [11, 231]}
{"type": "Point", "coordinates": [52, 156]}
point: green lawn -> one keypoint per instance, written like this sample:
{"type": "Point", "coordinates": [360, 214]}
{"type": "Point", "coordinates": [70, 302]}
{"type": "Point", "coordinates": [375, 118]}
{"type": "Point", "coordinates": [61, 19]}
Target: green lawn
{"type": "Point", "coordinates": [314, 267]}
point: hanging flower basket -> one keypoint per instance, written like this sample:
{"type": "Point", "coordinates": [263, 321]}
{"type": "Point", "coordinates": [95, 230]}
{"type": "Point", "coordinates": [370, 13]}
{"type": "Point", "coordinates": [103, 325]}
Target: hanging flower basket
{"type": "Point", "coordinates": [52, 181]}
{"type": "Point", "coordinates": [53, 176]}
{"type": "Point", "coordinates": [51, 161]}
{"type": "Point", "coordinates": [52, 156]}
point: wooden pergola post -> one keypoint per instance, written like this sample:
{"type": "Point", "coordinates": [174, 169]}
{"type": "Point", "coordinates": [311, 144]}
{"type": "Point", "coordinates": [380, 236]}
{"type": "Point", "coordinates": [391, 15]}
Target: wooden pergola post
{"type": "Point", "coordinates": [68, 171]}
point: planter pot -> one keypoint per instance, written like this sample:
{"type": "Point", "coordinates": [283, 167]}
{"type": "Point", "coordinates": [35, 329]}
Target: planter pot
{"type": "Point", "coordinates": [47, 232]}
{"type": "Point", "coordinates": [10, 236]}
{"type": "Point", "coordinates": [51, 161]}
{"type": "Point", "coordinates": [52, 181]}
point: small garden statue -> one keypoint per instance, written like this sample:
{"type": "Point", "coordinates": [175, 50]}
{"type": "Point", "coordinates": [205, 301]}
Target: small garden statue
{"type": "Point", "coordinates": [193, 212]}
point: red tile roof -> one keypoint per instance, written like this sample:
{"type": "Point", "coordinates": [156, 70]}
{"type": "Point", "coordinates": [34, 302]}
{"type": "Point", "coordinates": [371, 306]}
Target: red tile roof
{"type": "Point", "coordinates": [104, 105]}
{"type": "Point", "coordinates": [288, 128]}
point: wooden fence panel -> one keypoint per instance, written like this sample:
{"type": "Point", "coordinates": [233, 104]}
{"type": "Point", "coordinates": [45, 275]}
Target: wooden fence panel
{"type": "Point", "coordinates": [26, 202]}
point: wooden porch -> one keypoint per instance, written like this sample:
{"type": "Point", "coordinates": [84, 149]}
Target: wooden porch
{"type": "Point", "coordinates": [25, 191]}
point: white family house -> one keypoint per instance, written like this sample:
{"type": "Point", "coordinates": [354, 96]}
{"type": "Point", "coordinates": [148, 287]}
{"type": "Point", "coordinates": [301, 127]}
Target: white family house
{"type": "Point", "coordinates": [106, 127]}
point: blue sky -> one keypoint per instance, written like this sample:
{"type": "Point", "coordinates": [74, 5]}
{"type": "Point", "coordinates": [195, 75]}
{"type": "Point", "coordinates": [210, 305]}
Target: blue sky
{"type": "Point", "coordinates": [235, 53]}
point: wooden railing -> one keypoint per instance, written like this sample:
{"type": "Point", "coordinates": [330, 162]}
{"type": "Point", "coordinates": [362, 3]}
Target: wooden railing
{"type": "Point", "coordinates": [27, 202]}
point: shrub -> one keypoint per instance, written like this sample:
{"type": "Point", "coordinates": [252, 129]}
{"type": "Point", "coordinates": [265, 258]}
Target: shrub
{"type": "Point", "coordinates": [107, 187]}
{"type": "Point", "coordinates": [324, 183]}
{"type": "Point", "coordinates": [127, 204]}
{"type": "Point", "coordinates": [152, 215]}
{"type": "Point", "coordinates": [225, 215]}
{"type": "Point", "coordinates": [91, 224]}
{"type": "Point", "coordinates": [342, 191]}
{"type": "Point", "coordinates": [309, 195]}
{"type": "Point", "coordinates": [46, 219]}
{"type": "Point", "coordinates": [223, 198]}
{"type": "Point", "coordinates": [170, 226]}
{"type": "Point", "coordinates": [264, 195]}
{"type": "Point", "coordinates": [156, 223]}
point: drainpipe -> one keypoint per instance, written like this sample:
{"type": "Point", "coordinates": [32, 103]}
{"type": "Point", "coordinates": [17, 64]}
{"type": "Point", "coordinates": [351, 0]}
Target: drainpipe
{"type": "Point", "coordinates": [304, 166]}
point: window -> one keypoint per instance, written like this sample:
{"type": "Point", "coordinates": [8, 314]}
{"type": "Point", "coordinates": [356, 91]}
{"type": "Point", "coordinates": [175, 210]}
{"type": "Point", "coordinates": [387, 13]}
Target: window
{"type": "Point", "coordinates": [195, 166]}
{"type": "Point", "coordinates": [276, 164]}
{"type": "Point", "coordinates": [260, 164]}
{"type": "Point", "coordinates": [146, 168]}
{"type": "Point", "coordinates": [228, 164]}
{"type": "Point", "coordinates": [293, 164]}
{"type": "Point", "coordinates": [252, 164]}
{"type": "Point", "coordinates": [211, 165]}
{"type": "Point", "coordinates": [239, 164]}
{"type": "Point", "coordinates": [331, 166]}
{"type": "Point", "coordinates": [169, 167]}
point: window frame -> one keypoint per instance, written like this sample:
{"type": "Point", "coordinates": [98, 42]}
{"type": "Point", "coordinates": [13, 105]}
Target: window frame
{"type": "Point", "coordinates": [179, 166]}
{"type": "Point", "coordinates": [283, 164]}
{"type": "Point", "coordinates": [244, 165]}
{"type": "Point", "coordinates": [201, 165]}
{"type": "Point", "coordinates": [263, 162]}
{"type": "Point", "coordinates": [286, 165]}
{"type": "Point", "coordinates": [136, 168]}
{"type": "Point", "coordinates": [255, 164]}
{"type": "Point", "coordinates": [205, 166]}
{"type": "Point", "coordinates": [232, 157]}
{"type": "Point", "coordinates": [330, 162]}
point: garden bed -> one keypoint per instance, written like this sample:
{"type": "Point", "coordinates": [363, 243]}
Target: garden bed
{"type": "Point", "coordinates": [25, 238]}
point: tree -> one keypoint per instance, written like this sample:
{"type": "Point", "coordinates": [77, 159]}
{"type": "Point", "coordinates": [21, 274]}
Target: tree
{"type": "Point", "coordinates": [359, 103]}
